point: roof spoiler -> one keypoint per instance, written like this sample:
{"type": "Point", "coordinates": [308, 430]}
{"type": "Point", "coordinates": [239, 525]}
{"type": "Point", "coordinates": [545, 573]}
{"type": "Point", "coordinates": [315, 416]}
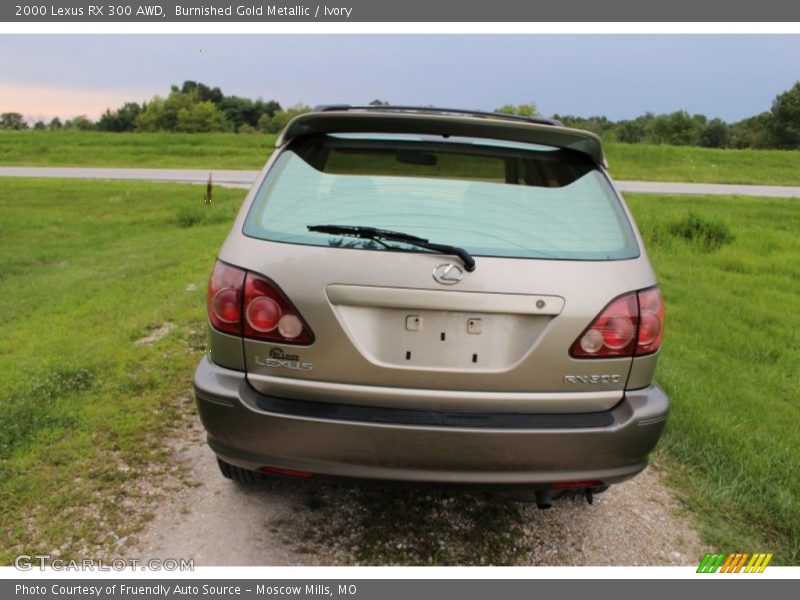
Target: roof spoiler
{"type": "Point", "coordinates": [437, 111]}
{"type": "Point", "coordinates": [441, 122]}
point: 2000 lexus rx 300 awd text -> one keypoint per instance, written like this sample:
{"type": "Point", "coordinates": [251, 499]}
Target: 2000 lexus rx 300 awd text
{"type": "Point", "coordinates": [434, 297]}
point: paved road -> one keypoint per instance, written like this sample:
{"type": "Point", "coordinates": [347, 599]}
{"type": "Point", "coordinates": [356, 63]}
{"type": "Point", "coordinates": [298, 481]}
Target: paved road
{"type": "Point", "coordinates": [245, 178]}
{"type": "Point", "coordinates": [219, 177]}
{"type": "Point", "coordinates": [708, 189]}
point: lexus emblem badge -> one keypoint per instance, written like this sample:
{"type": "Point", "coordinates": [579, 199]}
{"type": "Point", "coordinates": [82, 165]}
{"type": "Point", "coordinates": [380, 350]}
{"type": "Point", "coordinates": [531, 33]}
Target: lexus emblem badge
{"type": "Point", "coordinates": [448, 274]}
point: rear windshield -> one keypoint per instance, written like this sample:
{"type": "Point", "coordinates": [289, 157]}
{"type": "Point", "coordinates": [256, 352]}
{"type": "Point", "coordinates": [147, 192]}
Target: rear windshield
{"type": "Point", "coordinates": [490, 198]}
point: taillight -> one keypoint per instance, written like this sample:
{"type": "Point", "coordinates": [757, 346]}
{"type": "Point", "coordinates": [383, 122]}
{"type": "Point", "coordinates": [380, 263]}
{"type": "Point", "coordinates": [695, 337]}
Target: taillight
{"type": "Point", "coordinates": [612, 333]}
{"type": "Point", "coordinates": [263, 314]}
{"type": "Point", "coordinates": [224, 299]}
{"type": "Point", "coordinates": [651, 321]}
{"type": "Point", "coordinates": [243, 303]}
{"type": "Point", "coordinates": [269, 315]}
{"type": "Point", "coordinates": [632, 324]}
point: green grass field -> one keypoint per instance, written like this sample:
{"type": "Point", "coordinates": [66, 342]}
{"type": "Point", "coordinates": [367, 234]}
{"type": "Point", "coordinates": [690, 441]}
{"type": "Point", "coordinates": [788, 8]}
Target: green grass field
{"type": "Point", "coordinates": [86, 270]}
{"type": "Point", "coordinates": [639, 162]}
{"type": "Point", "coordinates": [731, 363]}
{"type": "Point", "coordinates": [154, 150]}
{"type": "Point", "coordinates": [230, 151]}
{"type": "Point", "coordinates": [89, 268]}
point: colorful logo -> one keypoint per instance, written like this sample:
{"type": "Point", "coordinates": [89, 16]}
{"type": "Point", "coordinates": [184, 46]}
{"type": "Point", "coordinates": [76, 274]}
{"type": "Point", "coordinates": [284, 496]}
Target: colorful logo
{"type": "Point", "coordinates": [734, 563]}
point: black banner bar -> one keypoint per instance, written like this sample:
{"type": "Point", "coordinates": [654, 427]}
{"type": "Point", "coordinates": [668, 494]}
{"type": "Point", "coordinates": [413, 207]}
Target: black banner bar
{"type": "Point", "coordinates": [401, 11]}
{"type": "Point", "coordinates": [732, 587]}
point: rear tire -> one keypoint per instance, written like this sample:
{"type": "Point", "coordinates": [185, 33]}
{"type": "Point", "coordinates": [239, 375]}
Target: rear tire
{"type": "Point", "coordinates": [238, 474]}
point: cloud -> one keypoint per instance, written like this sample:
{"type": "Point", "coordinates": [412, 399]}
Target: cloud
{"type": "Point", "coordinates": [45, 102]}
{"type": "Point", "coordinates": [620, 76]}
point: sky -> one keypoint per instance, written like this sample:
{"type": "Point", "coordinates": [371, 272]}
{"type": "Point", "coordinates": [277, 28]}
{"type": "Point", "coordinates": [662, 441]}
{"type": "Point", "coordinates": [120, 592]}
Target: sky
{"type": "Point", "coordinates": [619, 76]}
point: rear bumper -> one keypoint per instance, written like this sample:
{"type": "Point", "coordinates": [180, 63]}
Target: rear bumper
{"type": "Point", "coordinates": [251, 430]}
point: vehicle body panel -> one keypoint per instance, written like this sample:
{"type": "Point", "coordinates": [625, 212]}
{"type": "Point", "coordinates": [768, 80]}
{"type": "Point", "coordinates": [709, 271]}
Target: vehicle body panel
{"type": "Point", "coordinates": [389, 336]}
{"type": "Point", "coordinates": [245, 435]}
{"type": "Point", "coordinates": [539, 366]}
{"type": "Point", "coordinates": [448, 126]}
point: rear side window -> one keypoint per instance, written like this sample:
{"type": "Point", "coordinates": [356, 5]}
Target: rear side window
{"type": "Point", "coordinates": [491, 198]}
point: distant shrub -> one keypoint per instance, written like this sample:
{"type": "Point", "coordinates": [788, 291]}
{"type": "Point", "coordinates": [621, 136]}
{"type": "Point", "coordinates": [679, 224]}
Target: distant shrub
{"type": "Point", "coordinates": [205, 214]}
{"type": "Point", "coordinates": [710, 234]}
{"type": "Point", "coordinates": [678, 129]}
{"type": "Point", "coordinates": [715, 134]}
{"type": "Point", "coordinates": [655, 233]}
{"type": "Point", "coordinates": [274, 123]}
{"type": "Point", "coordinates": [189, 216]}
{"type": "Point", "coordinates": [630, 132]}
{"type": "Point", "coordinates": [784, 126]}
{"type": "Point", "coordinates": [13, 120]}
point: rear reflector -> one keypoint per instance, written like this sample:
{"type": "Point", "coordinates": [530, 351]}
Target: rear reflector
{"type": "Point", "coordinates": [290, 326]}
{"type": "Point", "coordinates": [288, 472]}
{"type": "Point", "coordinates": [571, 485]}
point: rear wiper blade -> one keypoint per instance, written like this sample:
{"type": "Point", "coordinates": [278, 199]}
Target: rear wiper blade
{"type": "Point", "coordinates": [374, 233]}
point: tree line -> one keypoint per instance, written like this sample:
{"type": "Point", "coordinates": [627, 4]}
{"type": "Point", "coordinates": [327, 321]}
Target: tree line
{"type": "Point", "coordinates": [191, 108]}
{"type": "Point", "coordinates": [195, 107]}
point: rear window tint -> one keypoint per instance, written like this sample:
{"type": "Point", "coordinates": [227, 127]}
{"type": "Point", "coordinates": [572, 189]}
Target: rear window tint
{"type": "Point", "coordinates": [492, 200]}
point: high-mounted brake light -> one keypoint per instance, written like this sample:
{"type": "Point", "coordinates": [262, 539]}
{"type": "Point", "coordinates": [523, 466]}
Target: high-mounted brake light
{"type": "Point", "coordinates": [632, 324]}
{"type": "Point", "coordinates": [244, 303]}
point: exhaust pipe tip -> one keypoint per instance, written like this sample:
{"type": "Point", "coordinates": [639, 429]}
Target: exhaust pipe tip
{"type": "Point", "coordinates": [544, 500]}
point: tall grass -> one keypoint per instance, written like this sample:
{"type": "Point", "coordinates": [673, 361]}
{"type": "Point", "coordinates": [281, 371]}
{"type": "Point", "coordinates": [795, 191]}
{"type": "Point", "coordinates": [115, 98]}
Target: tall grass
{"type": "Point", "coordinates": [729, 269]}
{"type": "Point", "coordinates": [642, 162]}
{"type": "Point", "coordinates": [154, 150]}
{"type": "Point", "coordinates": [87, 269]}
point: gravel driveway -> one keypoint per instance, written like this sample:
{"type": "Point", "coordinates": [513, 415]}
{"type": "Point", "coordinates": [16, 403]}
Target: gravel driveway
{"type": "Point", "coordinates": [285, 522]}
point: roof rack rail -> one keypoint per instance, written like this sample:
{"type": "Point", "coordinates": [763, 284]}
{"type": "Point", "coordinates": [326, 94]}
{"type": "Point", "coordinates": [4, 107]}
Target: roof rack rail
{"type": "Point", "coordinates": [437, 110]}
